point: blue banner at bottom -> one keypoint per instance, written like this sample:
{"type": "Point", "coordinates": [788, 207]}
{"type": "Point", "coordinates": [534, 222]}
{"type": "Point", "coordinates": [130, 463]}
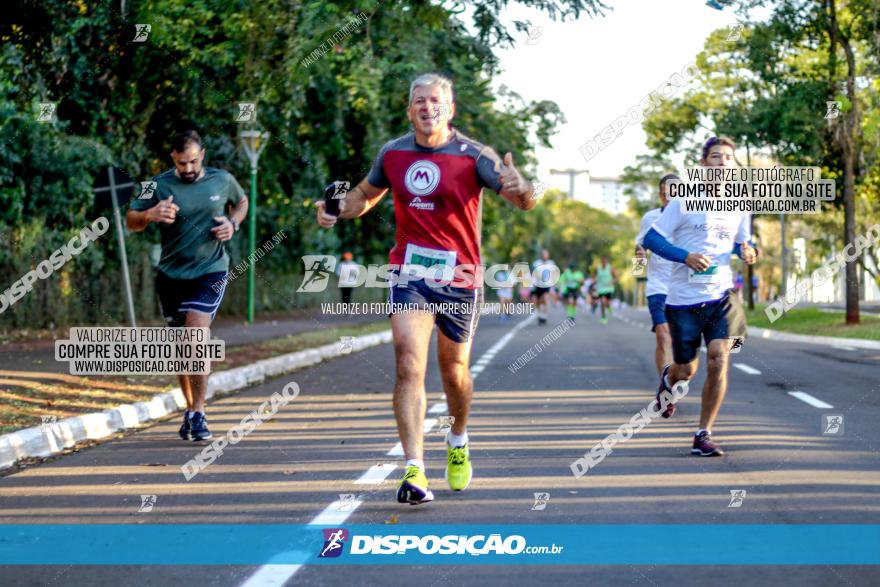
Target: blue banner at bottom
{"type": "Point", "coordinates": [230, 544]}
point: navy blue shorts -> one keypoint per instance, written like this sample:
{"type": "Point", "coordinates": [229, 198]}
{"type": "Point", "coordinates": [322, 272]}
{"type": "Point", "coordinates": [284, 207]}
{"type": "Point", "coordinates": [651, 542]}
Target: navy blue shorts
{"type": "Point", "coordinates": [657, 308]}
{"type": "Point", "coordinates": [456, 309]}
{"type": "Point", "coordinates": [722, 318]}
{"type": "Point", "coordinates": [179, 296]}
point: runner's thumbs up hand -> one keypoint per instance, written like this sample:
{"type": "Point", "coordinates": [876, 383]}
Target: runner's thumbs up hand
{"type": "Point", "coordinates": [512, 183]}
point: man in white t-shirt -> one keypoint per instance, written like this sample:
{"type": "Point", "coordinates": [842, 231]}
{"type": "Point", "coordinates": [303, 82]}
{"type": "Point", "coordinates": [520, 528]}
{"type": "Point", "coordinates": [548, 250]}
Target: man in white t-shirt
{"type": "Point", "coordinates": [699, 302]}
{"type": "Point", "coordinates": [545, 273]}
{"type": "Point", "coordinates": [658, 276]}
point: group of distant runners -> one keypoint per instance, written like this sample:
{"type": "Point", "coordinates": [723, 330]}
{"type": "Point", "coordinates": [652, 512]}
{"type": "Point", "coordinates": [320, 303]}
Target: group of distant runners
{"type": "Point", "coordinates": [572, 285]}
{"type": "Point", "coordinates": [437, 175]}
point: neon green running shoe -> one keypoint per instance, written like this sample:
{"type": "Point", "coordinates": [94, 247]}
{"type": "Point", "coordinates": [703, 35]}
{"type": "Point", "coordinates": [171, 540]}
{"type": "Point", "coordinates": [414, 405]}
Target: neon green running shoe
{"type": "Point", "coordinates": [413, 488]}
{"type": "Point", "coordinates": [458, 467]}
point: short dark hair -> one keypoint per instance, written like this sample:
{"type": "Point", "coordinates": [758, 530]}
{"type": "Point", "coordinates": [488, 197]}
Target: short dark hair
{"type": "Point", "coordinates": [183, 138]}
{"type": "Point", "coordinates": [718, 141]}
{"type": "Point", "coordinates": [667, 177]}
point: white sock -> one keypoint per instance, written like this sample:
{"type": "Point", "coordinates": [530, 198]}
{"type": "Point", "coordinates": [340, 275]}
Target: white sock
{"type": "Point", "coordinates": [189, 415]}
{"type": "Point", "coordinates": [416, 463]}
{"type": "Point", "coordinates": [455, 440]}
{"type": "Point", "coordinates": [701, 430]}
{"type": "Point", "coordinates": [666, 382]}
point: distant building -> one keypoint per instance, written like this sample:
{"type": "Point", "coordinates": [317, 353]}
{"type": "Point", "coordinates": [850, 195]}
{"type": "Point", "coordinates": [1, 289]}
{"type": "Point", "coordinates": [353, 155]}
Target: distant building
{"type": "Point", "coordinates": [607, 194]}
{"type": "Point", "coordinates": [604, 193]}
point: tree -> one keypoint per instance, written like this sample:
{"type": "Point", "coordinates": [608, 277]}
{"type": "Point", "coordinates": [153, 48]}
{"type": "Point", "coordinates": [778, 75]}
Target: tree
{"type": "Point", "coordinates": [329, 80]}
{"type": "Point", "coordinates": [769, 89]}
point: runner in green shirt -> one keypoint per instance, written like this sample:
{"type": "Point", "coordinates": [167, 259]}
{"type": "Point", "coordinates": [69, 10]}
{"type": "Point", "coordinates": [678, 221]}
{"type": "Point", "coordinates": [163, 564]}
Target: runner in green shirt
{"type": "Point", "coordinates": [189, 204]}
{"type": "Point", "coordinates": [606, 277]}
{"type": "Point", "coordinates": [571, 281]}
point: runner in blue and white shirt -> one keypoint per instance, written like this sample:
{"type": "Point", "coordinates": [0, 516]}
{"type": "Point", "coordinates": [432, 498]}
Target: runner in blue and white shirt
{"type": "Point", "coordinates": [700, 302]}
{"type": "Point", "coordinates": [659, 270]}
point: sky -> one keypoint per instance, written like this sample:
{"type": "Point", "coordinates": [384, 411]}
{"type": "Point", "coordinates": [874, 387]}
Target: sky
{"type": "Point", "coordinates": [596, 69]}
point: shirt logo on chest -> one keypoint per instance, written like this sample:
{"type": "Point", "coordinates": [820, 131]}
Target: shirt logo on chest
{"type": "Point", "coordinates": [419, 204]}
{"type": "Point", "coordinates": [422, 178]}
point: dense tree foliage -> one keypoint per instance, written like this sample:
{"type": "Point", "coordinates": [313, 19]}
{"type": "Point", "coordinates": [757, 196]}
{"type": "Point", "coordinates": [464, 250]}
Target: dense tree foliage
{"type": "Point", "coordinates": [767, 86]}
{"type": "Point", "coordinates": [329, 80]}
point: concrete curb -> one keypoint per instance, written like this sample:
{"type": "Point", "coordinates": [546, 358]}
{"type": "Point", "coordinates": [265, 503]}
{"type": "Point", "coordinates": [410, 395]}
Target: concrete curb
{"type": "Point", "coordinates": [823, 340]}
{"type": "Point", "coordinates": [49, 439]}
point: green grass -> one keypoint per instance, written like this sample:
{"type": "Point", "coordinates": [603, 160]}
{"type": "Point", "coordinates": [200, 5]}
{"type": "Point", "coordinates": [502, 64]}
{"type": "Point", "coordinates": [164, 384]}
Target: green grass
{"type": "Point", "coordinates": [815, 322]}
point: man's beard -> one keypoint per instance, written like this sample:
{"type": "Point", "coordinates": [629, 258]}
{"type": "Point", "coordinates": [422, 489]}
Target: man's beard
{"type": "Point", "coordinates": [189, 178]}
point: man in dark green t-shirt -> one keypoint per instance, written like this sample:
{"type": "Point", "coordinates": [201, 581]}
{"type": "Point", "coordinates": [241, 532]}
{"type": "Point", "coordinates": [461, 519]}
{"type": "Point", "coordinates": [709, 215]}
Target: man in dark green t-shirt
{"type": "Point", "coordinates": [189, 204]}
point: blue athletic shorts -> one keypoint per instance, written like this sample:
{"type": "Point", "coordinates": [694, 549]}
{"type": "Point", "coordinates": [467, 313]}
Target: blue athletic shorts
{"type": "Point", "coordinates": [657, 308]}
{"type": "Point", "coordinates": [179, 296]}
{"type": "Point", "coordinates": [724, 318]}
{"type": "Point", "coordinates": [456, 309]}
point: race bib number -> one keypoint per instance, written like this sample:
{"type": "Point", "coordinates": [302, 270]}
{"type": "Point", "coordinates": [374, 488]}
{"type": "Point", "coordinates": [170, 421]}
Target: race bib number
{"type": "Point", "coordinates": [425, 262]}
{"type": "Point", "coordinates": [713, 274]}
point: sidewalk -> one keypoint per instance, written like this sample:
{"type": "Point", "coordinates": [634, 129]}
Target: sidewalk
{"type": "Point", "coordinates": [34, 387]}
{"type": "Point", "coordinates": [872, 308]}
{"type": "Point", "coordinates": [782, 335]}
{"type": "Point", "coordinates": [32, 390]}
{"type": "Point", "coordinates": [39, 355]}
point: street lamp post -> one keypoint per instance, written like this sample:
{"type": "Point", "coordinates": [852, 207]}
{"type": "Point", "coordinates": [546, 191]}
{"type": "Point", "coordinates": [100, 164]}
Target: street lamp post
{"type": "Point", "coordinates": [571, 173]}
{"type": "Point", "coordinates": [253, 142]}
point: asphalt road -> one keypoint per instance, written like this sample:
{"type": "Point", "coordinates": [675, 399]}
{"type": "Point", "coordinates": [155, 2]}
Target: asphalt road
{"type": "Point", "coordinates": [526, 429]}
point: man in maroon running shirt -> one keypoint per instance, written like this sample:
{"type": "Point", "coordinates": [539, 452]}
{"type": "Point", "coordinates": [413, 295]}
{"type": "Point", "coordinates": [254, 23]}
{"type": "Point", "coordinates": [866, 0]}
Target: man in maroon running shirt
{"type": "Point", "coordinates": [436, 175]}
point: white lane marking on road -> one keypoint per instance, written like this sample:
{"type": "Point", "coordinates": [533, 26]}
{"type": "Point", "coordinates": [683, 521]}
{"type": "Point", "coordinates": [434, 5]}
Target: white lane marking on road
{"type": "Point", "coordinates": [335, 513]}
{"type": "Point", "coordinates": [375, 474]}
{"type": "Point", "coordinates": [806, 397]}
{"type": "Point", "coordinates": [746, 369]}
{"type": "Point", "coordinates": [496, 348]}
{"type": "Point", "coordinates": [397, 451]}
{"type": "Point", "coordinates": [429, 423]}
{"type": "Point", "coordinates": [438, 408]}
{"type": "Point", "coordinates": [273, 575]}
{"type": "Point", "coordinates": [843, 347]}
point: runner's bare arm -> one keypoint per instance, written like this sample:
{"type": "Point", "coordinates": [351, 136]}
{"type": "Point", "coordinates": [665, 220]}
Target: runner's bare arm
{"type": "Point", "coordinates": [165, 212]}
{"type": "Point", "coordinates": [226, 230]}
{"type": "Point", "coordinates": [358, 201]}
{"type": "Point", "coordinates": [239, 211]}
